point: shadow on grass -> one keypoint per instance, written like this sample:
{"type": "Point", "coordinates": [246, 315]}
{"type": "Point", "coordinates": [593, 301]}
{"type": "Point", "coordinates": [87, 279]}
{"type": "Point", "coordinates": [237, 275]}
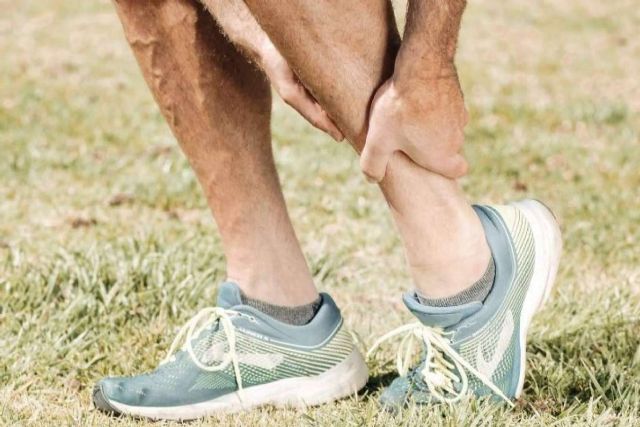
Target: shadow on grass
{"type": "Point", "coordinates": [595, 363]}
{"type": "Point", "coordinates": [377, 383]}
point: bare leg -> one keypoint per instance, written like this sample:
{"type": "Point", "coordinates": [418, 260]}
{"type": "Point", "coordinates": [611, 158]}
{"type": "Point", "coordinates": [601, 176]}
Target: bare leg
{"type": "Point", "coordinates": [219, 108]}
{"type": "Point", "coordinates": [343, 51]}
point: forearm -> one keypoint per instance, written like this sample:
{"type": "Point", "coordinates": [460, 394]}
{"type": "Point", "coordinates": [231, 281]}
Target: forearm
{"type": "Point", "coordinates": [430, 39]}
{"type": "Point", "coordinates": [241, 28]}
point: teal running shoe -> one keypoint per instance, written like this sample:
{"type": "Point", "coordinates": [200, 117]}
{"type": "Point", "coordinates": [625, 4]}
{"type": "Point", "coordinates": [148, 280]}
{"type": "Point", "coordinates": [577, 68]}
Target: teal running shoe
{"type": "Point", "coordinates": [236, 358]}
{"type": "Point", "coordinates": [479, 348]}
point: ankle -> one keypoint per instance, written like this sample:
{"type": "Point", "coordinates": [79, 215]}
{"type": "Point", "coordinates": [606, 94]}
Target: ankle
{"type": "Point", "coordinates": [270, 267]}
{"type": "Point", "coordinates": [293, 315]}
{"type": "Point", "coordinates": [446, 255]}
{"type": "Point", "coordinates": [275, 281]}
{"type": "Point", "coordinates": [477, 292]}
{"type": "Point", "coordinates": [278, 288]}
{"type": "Point", "coordinates": [444, 278]}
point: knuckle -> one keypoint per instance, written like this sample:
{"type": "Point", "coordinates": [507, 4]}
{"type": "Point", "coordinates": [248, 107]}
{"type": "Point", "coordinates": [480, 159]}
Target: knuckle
{"type": "Point", "coordinates": [460, 167]}
{"type": "Point", "coordinates": [371, 175]}
{"type": "Point", "coordinates": [372, 147]}
{"type": "Point", "coordinates": [369, 152]}
{"type": "Point", "coordinates": [457, 142]}
{"type": "Point", "coordinates": [367, 160]}
{"type": "Point", "coordinates": [365, 155]}
{"type": "Point", "coordinates": [365, 166]}
{"type": "Point", "coordinates": [464, 168]}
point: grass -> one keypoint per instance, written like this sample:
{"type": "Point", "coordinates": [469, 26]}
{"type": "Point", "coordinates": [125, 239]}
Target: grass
{"type": "Point", "coordinates": [106, 245]}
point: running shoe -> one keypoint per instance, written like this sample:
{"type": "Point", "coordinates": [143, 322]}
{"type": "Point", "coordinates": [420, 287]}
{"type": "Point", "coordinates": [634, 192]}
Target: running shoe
{"type": "Point", "coordinates": [236, 358]}
{"type": "Point", "coordinates": [479, 348]}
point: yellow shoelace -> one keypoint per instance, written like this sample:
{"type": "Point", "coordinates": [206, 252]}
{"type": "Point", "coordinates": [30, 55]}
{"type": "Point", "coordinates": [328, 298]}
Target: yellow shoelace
{"type": "Point", "coordinates": [203, 319]}
{"type": "Point", "coordinates": [439, 374]}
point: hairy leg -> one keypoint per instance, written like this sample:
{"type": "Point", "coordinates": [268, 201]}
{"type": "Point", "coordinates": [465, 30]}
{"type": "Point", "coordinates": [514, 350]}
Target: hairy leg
{"type": "Point", "coordinates": [219, 108]}
{"type": "Point", "coordinates": [342, 52]}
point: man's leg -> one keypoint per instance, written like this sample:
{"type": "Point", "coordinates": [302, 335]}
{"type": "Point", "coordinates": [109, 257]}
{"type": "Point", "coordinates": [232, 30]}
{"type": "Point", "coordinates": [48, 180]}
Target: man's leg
{"type": "Point", "coordinates": [343, 51]}
{"type": "Point", "coordinates": [234, 356]}
{"type": "Point", "coordinates": [219, 108]}
{"type": "Point", "coordinates": [474, 331]}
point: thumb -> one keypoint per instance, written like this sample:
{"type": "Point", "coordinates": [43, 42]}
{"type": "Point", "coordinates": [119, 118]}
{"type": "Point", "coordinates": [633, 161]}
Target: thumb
{"type": "Point", "coordinates": [452, 166]}
{"type": "Point", "coordinates": [374, 160]}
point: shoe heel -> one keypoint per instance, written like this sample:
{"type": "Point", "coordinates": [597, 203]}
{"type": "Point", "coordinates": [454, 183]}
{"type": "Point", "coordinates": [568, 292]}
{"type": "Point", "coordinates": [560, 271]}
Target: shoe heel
{"type": "Point", "coordinates": [548, 241]}
{"type": "Point", "coordinates": [548, 248]}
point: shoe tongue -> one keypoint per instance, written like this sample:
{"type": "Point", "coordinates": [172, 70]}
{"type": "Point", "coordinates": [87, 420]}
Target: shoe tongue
{"type": "Point", "coordinates": [440, 317]}
{"type": "Point", "coordinates": [229, 295]}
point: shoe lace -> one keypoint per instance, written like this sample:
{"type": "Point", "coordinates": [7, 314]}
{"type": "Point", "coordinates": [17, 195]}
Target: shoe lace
{"type": "Point", "coordinates": [439, 374]}
{"type": "Point", "coordinates": [206, 318]}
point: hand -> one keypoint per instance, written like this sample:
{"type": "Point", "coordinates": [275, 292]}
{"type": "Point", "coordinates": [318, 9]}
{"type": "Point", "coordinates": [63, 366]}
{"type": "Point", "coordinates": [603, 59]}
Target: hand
{"type": "Point", "coordinates": [424, 120]}
{"type": "Point", "coordinates": [243, 30]}
{"type": "Point", "coordinates": [293, 92]}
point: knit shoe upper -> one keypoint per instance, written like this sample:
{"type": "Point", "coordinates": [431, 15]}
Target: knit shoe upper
{"type": "Point", "coordinates": [235, 357]}
{"type": "Point", "coordinates": [479, 348]}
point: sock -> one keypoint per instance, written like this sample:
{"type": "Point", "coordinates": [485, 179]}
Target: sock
{"type": "Point", "coordinates": [298, 315]}
{"type": "Point", "coordinates": [476, 292]}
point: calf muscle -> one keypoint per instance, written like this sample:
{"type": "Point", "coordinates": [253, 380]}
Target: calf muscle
{"type": "Point", "coordinates": [343, 51]}
{"type": "Point", "coordinates": [219, 106]}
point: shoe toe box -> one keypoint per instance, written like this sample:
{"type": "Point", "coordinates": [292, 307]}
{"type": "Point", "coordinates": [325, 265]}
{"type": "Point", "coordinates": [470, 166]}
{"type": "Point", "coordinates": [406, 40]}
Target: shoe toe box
{"type": "Point", "coordinates": [395, 396]}
{"type": "Point", "coordinates": [103, 393]}
{"type": "Point", "coordinates": [110, 392]}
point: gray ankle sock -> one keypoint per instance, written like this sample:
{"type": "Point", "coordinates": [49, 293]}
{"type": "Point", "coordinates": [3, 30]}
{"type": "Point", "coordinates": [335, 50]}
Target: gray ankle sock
{"type": "Point", "coordinates": [298, 315]}
{"type": "Point", "coordinates": [476, 292]}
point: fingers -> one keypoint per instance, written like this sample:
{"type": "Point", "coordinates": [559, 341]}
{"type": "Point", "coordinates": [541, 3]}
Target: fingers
{"type": "Point", "coordinates": [444, 159]}
{"type": "Point", "coordinates": [329, 127]}
{"type": "Point", "coordinates": [374, 160]}
{"type": "Point", "coordinates": [298, 97]}
{"type": "Point", "coordinates": [449, 165]}
{"type": "Point", "coordinates": [293, 92]}
{"type": "Point", "coordinates": [453, 167]}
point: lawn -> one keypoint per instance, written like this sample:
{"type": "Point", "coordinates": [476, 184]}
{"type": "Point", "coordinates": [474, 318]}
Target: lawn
{"type": "Point", "coordinates": [107, 246]}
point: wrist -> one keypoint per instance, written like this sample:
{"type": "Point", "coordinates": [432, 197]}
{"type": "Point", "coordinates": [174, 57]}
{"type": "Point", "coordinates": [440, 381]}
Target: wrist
{"type": "Point", "coordinates": [419, 69]}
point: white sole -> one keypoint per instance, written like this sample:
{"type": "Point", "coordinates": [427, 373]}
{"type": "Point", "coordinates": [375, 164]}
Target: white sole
{"type": "Point", "coordinates": [343, 380]}
{"type": "Point", "coordinates": [548, 248]}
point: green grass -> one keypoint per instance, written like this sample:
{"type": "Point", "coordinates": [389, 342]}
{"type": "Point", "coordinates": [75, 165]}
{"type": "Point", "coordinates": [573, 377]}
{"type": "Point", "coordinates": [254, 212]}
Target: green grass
{"type": "Point", "coordinates": [106, 244]}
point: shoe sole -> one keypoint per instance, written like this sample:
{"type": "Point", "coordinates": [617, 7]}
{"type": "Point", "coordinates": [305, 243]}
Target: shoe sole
{"type": "Point", "coordinates": [548, 248]}
{"type": "Point", "coordinates": [341, 381]}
